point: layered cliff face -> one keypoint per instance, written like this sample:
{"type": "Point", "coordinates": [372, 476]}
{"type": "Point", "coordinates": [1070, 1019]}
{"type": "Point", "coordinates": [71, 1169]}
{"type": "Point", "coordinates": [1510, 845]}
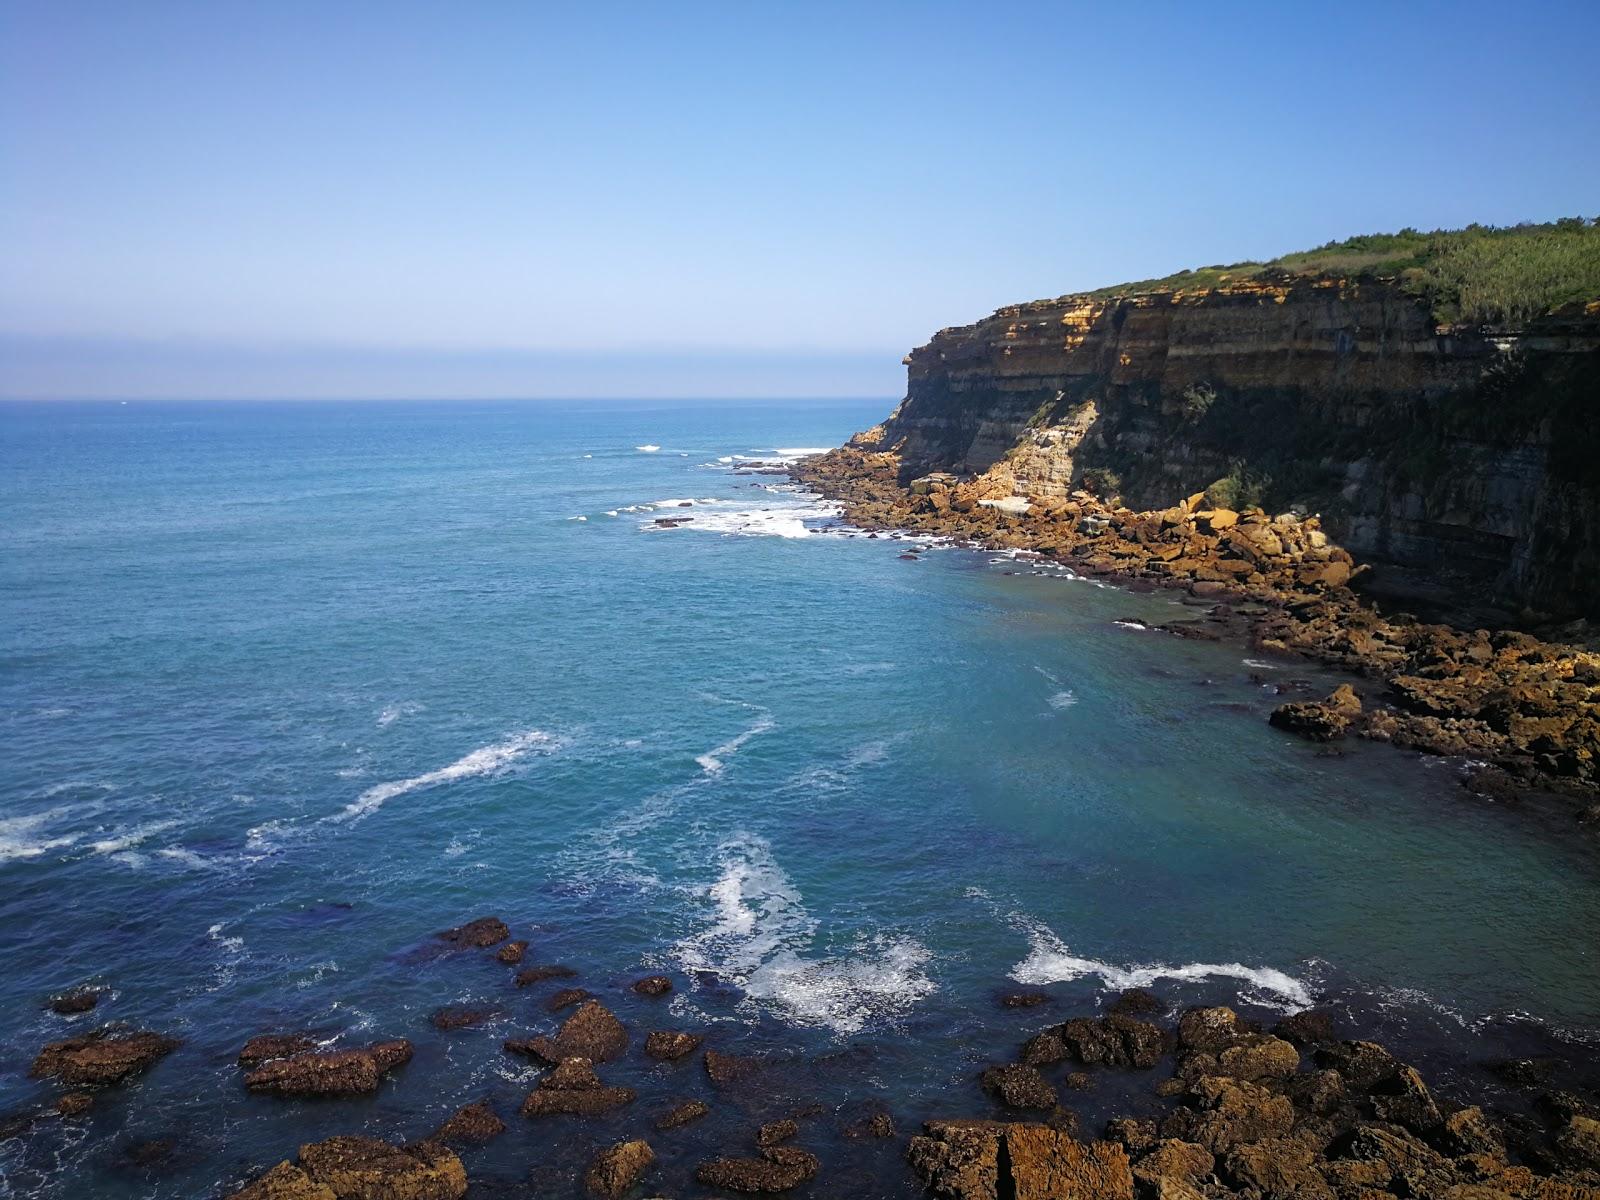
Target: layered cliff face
{"type": "Point", "coordinates": [1470, 456]}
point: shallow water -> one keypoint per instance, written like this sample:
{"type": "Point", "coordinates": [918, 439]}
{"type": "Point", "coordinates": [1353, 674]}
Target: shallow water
{"type": "Point", "coordinates": [287, 688]}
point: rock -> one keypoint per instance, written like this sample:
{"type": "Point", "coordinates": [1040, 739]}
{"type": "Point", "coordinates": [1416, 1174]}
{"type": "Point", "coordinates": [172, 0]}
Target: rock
{"type": "Point", "coordinates": [532, 975]}
{"type": "Point", "coordinates": [479, 934]}
{"type": "Point", "coordinates": [363, 1168]}
{"type": "Point", "coordinates": [1134, 1134]}
{"type": "Point", "coordinates": [1362, 1064]}
{"type": "Point", "coordinates": [1277, 1167]}
{"type": "Point", "coordinates": [330, 1072]}
{"type": "Point", "coordinates": [1579, 1143]}
{"type": "Point", "coordinates": [566, 998]}
{"type": "Point", "coordinates": [512, 952]}
{"type": "Point", "coordinates": [101, 1058]}
{"type": "Point", "coordinates": [777, 1170]}
{"type": "Point", "coordinates": [1173, 1160]}
{"type": "Point", "coordinates": [1228, 1112]}
{"type": "Point", "coordinates": [285, 1182]}
{"type": "Point", "coordinates": [574, 1088]}
{"type": "Point", "coordinates": [1118, 1040]}
{"type": "Point", "coordinates": [775, 1132]}
{"type": "Point", "coordinates": [1319, 720]}
{"type": "Point", "coordinates": [1209, 1029]}
{"type": "Point", "coordinates": [1135, 1002]}
{"type": "Point", "coordinates": [458, 1018]}
{"type": "Point", "coordinates": [1467, 1131]}
{"type": "Point", "coordinates": [1307, 1028]}
{"type": "Point", "coordinates": [1023, 999]}
{"type": "Point", "coordinates": [268, 1046]}
{"type": "Point", "coordinates": [727, 1069]}
{"type": "Point", "coordinates": [1525, 1072]}
{"type": "Point", "coordinates": [682, 1114]}
{"type": "Point", "coordinates": [1403, 1099]}
{"type": "Point", "coordinates": [669, 1045]}
{"type": "Point", "coordinates": [472, 1125]}
{"type": "Point", "coordinates": [1019, 1086]}
{"type": "Point", "coordinates": [592, 1032]}
{"type": "Point", "coordinates": [617, 1169]}
{"type": "Point", "coordinates": [653, 985]}
{"type": "Point", "coordinates": [986, 1160]}
{"type": "Point", "coordinates": [75, 1104]}
{"type": "Point", "coordinates": [877, 1125]}
{"type": "Point", "coordinates": [1253, 1056]}
{"type": "Point", "coordinates": [79, 1000]}
{"type": "Point", "coordinates": [1078, 1081]}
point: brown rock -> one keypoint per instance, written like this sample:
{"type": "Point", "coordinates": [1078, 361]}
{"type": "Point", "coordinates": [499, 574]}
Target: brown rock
{"type": "Point", "coordinates": [472, 1125]}
{"type": "Point", "coordinates": [1019, 1086]}
{"type": "Point", "coordinates": [1319, 720]}
{"type": "Point", "coordinates": [877, 1125]}
{"type": "Point", "coordinates": [1579, 1143]}
{"type": "Point", "coordinates": [617, 1169]}
{"type": "Point", "coordinates": [574, 1088]}
{"type": "Point", "coordinates": [566, 998]}
{"type": "Point", "coordinates": [1209, 1029]}
{"type": "Point", "coordinates": [984, 1160]}
{"type": "Point", "coordinates": [682, 1114]}
{"type": "Point", "coordinates": [458, 1018]}
{"type": "Point", "coordinates": [512, 952]}
{"type": "Point", "coordinates": [777, 1170]}
{"type": "Point", "coordinates": [592, 1032]}
{"type": "Point", "coordinates": [1308, 1028]}
{"type": "Point", "coordinates": [1134, 1134]}
{"type": "Point", "coordinates": [1229, 1112]}
{"type": "Point", "coordinates": [101, 1058]}
{"type": "Point", "coordinates": [79, 1000]}
{"type": "Point", "coordinates": [268, 1046]}
{"type": "Point", "coordinates": [774, 1133]}
{"type": "Point", "coordinates": [484, 932]}
{"type": "Point", "coordinates": [285, 1182]}
{"type": "Point", "coordinates": [75, 1104]}
{"type": "Point", "coordinates": [727, 1069]}
{"type": "Point", "coordinates": [330, 1072]}
{"type": "Point", "coordinates": [1023, 999]}
{"type": "Point", "coordinates": [363, 1168]}
{"type": "Point", "coordinates": [653, 985]}
{"type": "Point", "coordinates": [668, 1045]}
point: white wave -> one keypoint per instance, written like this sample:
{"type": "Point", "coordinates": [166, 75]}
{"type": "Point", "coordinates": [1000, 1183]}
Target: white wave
{"type": "Point", "coordinates": [611, 512]}
{"type": "Point", "coordinates": [759, 932]}
{"type": "Point", "coordinates": [18, 836]}
{"type": "Point", "coordinates": [1260, 664]}
{"type": "Point", "coordinates": [394, 712]}
{"type": "Point", "coordinates": [788, 514]}
{"type": "Point", "coordinates": [188, 858]}
{"type": "Point", "coordinates": [801, 451]}
{"type": "Point", "coordinates": [713, 760]}
{"type": "Point", "coordinates": [1063, 699]}
{"type": "Point", "coordinates": [1050, 961]}
{"type": "Point", "coordinates": [485, 760]}
{"type": "Point", "coordinates": [588, 456]}
{"type": "Point", "coordinates": [577, 518]}
{"type": "Point", "coordinates": [130, 838]}
{"type": "Point", "coordinates": [647, 449]}
{"type": "Point", "coordinates": [1130, 624]}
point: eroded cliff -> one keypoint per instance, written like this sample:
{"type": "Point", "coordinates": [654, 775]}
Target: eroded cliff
{"type": "Point", "coordinates": [1467, 457]}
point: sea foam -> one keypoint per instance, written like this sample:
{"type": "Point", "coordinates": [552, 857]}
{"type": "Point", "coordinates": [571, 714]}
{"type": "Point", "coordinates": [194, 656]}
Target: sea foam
{"type": "Point", "coordinates": [485, 760]}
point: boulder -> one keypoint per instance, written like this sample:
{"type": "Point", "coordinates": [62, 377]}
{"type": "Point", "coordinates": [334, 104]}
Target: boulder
{"type": "Point", "coordinates": [478, 934]}
{"type": "Point", "coordinates": [512, 952]}
{"type": "Point", "coordinates": [986, 1160]}
{"type": "Point", "coordinates": [330, 1072]}
{"type": "Point", "coordinates": [101, 1058]}
{"type": "Point", "coordinates": [618, 1168]}
{"type": "Point", "coordinates": [472, 1125]}
{"type": "Point", "coordinates": [1209, 1029]}
{"type": "Point", "coordinates": [682, 1114]}
{"type": "Point", "coordinates": [1019, 1086]}
{"type": "Point", "coordinates": [364, 1168]}
{"type": "Point", "coordinates": [778, 1169]}
{"type": "Point", "coordinates": [268, 1046]}
{"type": "Point", "coordinates": [574, 1088]}
{"type": "Point", "coordinates": [774, 1133]}
{"type": "Point", "coordinates": [669, 1045]}
{"type": "Point", "coordinates": [653, 985]}
{"type": "Point", "coordinates": [592, 1032]}
{"type": "Point", "coordinates": [71, 1004]}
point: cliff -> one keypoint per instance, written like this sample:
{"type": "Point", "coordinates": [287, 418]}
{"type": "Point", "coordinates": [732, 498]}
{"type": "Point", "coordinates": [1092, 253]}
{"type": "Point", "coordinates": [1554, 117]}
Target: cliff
{"type": "Point", "coordinates": [1464, 456]}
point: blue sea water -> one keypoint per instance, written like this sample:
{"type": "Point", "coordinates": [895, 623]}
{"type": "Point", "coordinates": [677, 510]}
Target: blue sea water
{"type": "Point", "coordinates": [288, 688]}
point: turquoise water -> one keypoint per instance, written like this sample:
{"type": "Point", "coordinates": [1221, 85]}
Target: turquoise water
{"type": "Point", "coordinates": [287, 688]}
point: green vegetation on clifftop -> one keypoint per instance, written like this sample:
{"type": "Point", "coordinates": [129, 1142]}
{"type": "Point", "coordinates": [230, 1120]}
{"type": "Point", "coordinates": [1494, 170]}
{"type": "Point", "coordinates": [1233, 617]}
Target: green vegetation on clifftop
{"type": "Point", "coordinates": [1477, 275]}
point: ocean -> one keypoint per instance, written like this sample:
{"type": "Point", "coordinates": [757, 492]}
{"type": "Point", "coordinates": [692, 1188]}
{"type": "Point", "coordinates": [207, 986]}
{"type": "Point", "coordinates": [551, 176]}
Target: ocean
{"type": "Point", "coordinates": [289, 688]}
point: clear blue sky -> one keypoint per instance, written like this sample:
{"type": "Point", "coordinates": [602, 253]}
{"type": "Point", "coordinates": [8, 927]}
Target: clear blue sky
{"type": "Point", "coordinates": [282, 198]}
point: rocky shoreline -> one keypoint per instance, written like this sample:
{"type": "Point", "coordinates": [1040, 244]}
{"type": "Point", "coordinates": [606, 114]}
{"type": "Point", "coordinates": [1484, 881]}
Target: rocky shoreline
{"type": "Point", "coordinates": [1303, 1111]}
{"type": "Point", "coordinates": [1526, 709]}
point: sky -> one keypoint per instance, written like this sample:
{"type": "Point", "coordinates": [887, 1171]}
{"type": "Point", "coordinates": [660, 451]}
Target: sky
{"type": "Point", "coordinates": [284, 199]}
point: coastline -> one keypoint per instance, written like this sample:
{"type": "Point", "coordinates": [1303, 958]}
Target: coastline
{"type": "Point", "coordinates": [1527, 711]}
{"type": "Point", "coordinates": [1128, 1094]}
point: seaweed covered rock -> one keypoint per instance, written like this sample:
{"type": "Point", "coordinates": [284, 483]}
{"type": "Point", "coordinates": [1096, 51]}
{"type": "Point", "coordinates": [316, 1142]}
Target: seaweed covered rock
{"type": "Point", "coordinates": [330, 1072]}
{"type": "Point", "coordinates": [101, 1058]}
{"type": "Point", "coordinates": [471, 1125]}
{"type": "Point", "coordinates": [616, 1169]}
{"type": "Point", "coordinates": [573, 1088]}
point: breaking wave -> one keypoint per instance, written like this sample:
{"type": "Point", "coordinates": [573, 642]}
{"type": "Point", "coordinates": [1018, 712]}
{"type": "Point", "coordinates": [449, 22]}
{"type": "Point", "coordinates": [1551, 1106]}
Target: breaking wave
{"type": "Point", "coordinates": [485, 760]}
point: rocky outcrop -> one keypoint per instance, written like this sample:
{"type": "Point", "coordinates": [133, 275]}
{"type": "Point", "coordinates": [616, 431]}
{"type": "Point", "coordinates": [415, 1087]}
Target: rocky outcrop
{"type": "Point", "coordinates": [574, 1088]}
{"type": "Point", "coordinates": [1469, 454]}
{"type": "Point", "coordinates": [330, 1072]}
{"type": "Point", "coordinates": [986, 1160]}
{"type": "Point", "coordinates": [101, 1058]}
{"type": "Point", "coordinates": [593, 1033]}
{"type": "Point", "coordinates": [363, 1168]}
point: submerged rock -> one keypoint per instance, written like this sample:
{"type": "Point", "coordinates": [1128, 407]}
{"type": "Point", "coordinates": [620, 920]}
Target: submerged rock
{"type": "Point", "coordinates": [78, 1000]}
{"type": "Point", "coordinates": [478, 934]}
{"type": "Point", "coordinates": [330, 1072]}
{"type": "Point", "coordinates": [778, 1169]}
{"type": "Point", "coordinates": [101, 1058]}
{"type": "Point", "coordinates": [725, 1070]}
{"type": "Point", "coordinates": [447, 1019]}
{"type": "Point", "coordinates": [682, 1114]}
{"type": "Point", "coordinates": [532, 975]}
{"type": "Point", "coordinates": [268, 1046]}
{"type": "Point", "coordinates": [618, 1168]}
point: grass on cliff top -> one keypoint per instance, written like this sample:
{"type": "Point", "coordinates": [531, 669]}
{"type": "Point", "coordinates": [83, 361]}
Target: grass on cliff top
{"type": "Point", "coordinates": [1483, 274]}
